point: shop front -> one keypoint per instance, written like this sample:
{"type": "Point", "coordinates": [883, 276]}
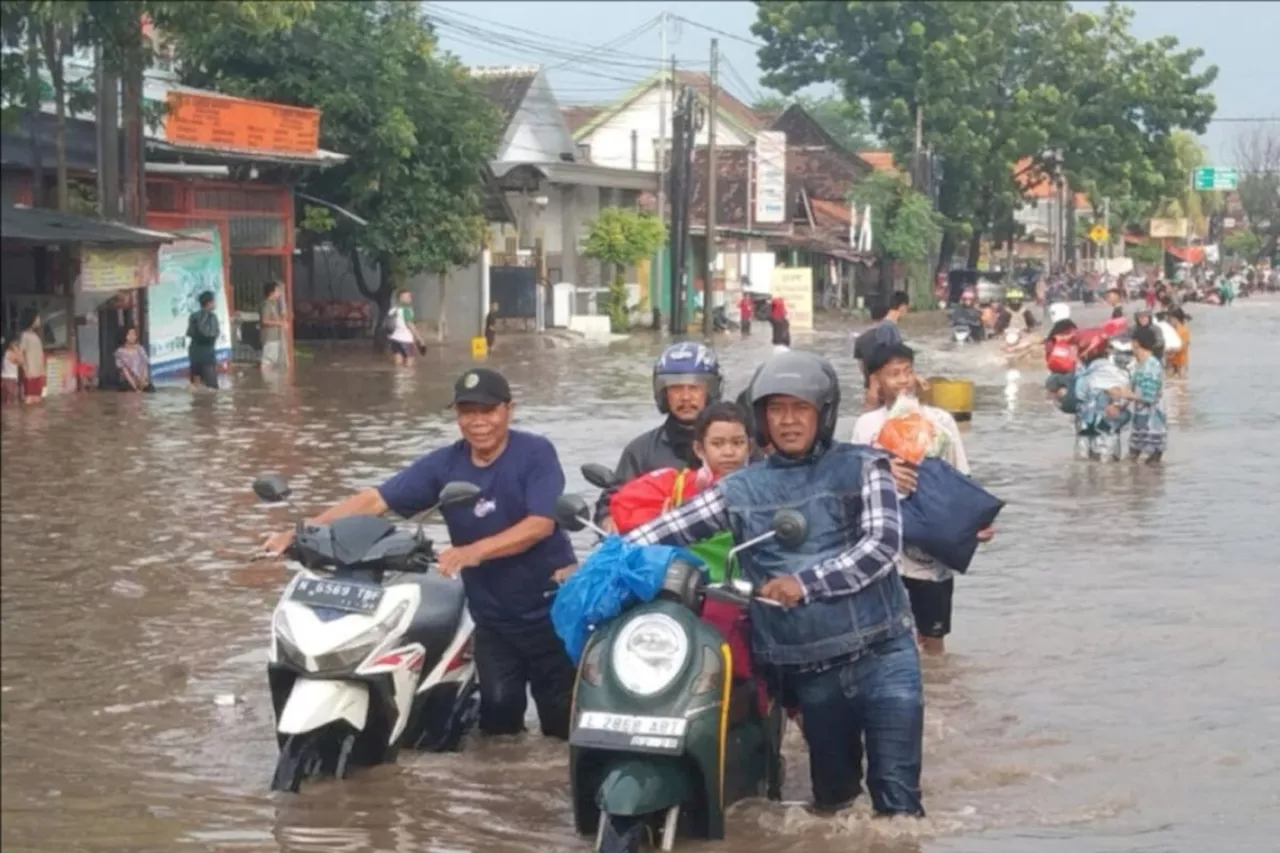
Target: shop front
{"type": "Point", "coordinates": [84, 278]}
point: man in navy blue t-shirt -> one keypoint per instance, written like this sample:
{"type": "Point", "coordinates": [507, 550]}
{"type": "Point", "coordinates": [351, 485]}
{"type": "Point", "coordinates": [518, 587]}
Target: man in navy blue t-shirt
{"type": "Point", "coordinates": [506, 547]}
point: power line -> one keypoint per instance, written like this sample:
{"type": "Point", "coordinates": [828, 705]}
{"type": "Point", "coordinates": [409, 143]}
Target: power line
{"type": "Point", "coordinates": [751, 42]}
{"type": "Point", "coordinates": [636, 33]}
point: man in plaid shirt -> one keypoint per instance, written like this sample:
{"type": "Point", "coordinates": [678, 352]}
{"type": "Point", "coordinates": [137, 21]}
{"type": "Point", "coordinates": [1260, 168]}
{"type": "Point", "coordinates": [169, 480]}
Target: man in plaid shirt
{"type": "Point", "coordinates": [842, 644]}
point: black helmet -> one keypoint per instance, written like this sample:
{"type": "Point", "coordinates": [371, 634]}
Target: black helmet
{"type": "Point", "coordinates": [802, 375]}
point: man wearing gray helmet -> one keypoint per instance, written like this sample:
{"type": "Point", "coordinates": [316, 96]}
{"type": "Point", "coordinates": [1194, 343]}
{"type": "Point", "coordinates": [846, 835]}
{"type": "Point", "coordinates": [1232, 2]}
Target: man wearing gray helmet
{"type": "Point", "coordinates": [842, 643]}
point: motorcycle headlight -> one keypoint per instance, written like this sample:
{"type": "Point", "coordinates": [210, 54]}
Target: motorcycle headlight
{"type": "Point", "coordinates": [649, 653]}
{"type": "Point", "coordinates": [351, 653]}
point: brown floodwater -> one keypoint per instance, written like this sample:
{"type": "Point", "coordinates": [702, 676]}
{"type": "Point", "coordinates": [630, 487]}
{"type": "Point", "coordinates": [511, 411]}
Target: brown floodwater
{"type": "Point", "coordinates": [1113, 682]}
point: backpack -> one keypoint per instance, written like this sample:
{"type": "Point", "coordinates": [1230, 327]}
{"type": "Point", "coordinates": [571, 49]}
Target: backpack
{"type": "Point", "coordinates": [1061, 357]}
{"type": "Point", "coordinates": [205, 326]}
{"type": "Point", "coordinates": [389, 321]}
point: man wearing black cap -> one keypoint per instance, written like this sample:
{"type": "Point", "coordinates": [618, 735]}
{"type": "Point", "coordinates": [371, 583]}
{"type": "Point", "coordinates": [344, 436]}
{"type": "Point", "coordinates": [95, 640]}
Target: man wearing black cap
{"type": "Point", "coordinates": [506, 545]}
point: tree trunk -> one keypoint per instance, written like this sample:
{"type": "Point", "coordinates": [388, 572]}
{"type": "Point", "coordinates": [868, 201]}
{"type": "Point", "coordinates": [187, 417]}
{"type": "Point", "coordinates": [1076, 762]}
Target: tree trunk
{"type": "Point", "coordinates": [131, 109]}
{"type": "Point", "coordinates": [945, 253]}
{"type": "Point", "coordinates": [52, 44]}
{"type": "Point", "coordinates": [381, 298]}
{"type": "Point", "coordinates": [975, 248]}
{"type": "Point", "coordinates": [442, 322]}
{"type": "Point", "coordinates": [33, 116]}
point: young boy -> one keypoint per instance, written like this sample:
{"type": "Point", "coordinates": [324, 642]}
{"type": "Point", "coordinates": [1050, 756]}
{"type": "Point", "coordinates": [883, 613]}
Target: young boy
{"type": "Point", "coordinates": [1150, 426]}
{"type": "Point", "coordinates": [930, 585]}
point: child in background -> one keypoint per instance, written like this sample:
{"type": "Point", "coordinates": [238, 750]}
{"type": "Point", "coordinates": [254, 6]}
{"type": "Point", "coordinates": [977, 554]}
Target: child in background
{"type": "Point", "coordinates": [1150, 431]}
{"type": "Point", "coordinates": [1060, 357]}
{"type": "Point", "coordinates": [10, 389]}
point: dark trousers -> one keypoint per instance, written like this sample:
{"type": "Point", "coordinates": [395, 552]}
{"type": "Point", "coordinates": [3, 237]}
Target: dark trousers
{"type": "Point", "coordinates": [877, 697]}
{"type": "Point", "coordinates": [746, 326]}
{"type": "Point", "coordinates": [509, 660]}
{"type": "Point", "coordinates": [781, 331]}
{"type": "Point", "coordinates": [206, 372]}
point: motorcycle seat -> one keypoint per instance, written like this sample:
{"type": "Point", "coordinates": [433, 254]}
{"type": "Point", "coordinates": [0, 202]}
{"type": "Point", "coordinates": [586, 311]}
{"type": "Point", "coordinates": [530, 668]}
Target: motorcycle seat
{"type": "Point", "coordinates": [438, 614]}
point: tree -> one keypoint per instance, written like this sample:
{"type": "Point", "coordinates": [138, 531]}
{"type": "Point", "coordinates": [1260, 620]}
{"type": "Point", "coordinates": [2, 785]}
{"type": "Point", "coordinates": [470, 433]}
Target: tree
{"type": "Point", "coordinates": [904, 226]}
{"type": "Point", "coordinates": [1183, 202]}
{"type": "Point", "coordinates": [995, 84]}
{"type": "Point", "coordinates": [1145, 253]}
{"type": "Point", "coordinates": [1242, 245]}
{"type": "Point", "coordinates": [623, 238]}
{"type": "Point", "coordinates": [843, 120]}
{"type": "Point", "coordinates": [417, 130]}
{"type": "Point", "coordinates": [1258, 158]}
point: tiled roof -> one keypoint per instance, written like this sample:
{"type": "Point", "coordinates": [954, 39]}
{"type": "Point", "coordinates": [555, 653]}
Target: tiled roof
{"type": "Point", "coordinates": [881, 161]}
{"type": "Point", "coordinates": [506, 87]}
{"type": "Point", "coordinates": [732, 184]}
{"type": "Point", "coordinates": [824, 173]}
{"type": "Point", "coordinates": [740, 112]}
{"type": "Point", "coordinates": [576, 116]}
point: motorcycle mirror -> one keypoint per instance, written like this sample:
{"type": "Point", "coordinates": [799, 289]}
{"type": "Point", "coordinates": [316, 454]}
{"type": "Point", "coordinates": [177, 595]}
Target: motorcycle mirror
{"type": "Point", "coordinates": [271, 488]}
{"type": "Point", "coordinates": [600, 476]}
{"type": "Point", "coordinates": [571, 512]}
{"type": "Point", "coordinates": [455, 492]}
{"type": "Point", "coordinates": [790, 528]}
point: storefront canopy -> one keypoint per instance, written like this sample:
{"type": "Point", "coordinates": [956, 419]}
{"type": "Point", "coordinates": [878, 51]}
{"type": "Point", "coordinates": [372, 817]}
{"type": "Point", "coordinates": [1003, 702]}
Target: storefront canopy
{"type": "Point", "coordinates": [50, 228]}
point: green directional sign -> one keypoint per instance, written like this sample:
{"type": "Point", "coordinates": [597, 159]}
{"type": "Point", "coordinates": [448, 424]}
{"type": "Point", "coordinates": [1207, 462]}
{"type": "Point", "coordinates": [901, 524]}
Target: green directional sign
{"type": "Point", "coordinates": [1210, 178]}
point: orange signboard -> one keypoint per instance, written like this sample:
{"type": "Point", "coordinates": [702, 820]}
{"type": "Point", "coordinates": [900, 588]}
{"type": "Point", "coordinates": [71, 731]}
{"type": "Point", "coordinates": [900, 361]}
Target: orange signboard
{"type": "Point", "coordinates": [218, 121]}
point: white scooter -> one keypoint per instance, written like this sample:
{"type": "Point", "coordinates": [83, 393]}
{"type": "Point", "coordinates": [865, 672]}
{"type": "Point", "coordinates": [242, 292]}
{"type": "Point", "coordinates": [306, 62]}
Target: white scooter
{"type": "Point", "coordinates": [370, 650]}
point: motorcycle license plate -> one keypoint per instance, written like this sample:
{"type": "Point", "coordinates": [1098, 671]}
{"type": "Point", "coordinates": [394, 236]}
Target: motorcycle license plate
{"type": "Point", "coordinates": [629, 732]}
{"type": "Point", "coordinates": [340, 595]}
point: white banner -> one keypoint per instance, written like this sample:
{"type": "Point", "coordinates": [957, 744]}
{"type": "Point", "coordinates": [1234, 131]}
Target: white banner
{"type": "Point", "coordinates": [771, 177]}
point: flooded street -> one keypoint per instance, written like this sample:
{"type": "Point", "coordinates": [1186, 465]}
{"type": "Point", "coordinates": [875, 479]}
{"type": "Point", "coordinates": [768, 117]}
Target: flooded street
{"type": "Point", "coordinates": [1113, 682]}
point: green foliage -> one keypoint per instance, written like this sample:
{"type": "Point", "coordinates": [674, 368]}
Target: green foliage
{"type": "Point", "coordinates": [1145, 253]}
{"type": "Point", "coordinates": [623, 238]}
{"type": "Point", "coordinates": [904, 226]}
{"type": "Point", "coordinates": [1243, 245]}
{"type": "Point", "coordinates": [844, 121]}
{"type": "Point", "coordinates": [417, 130]}
{"type": "Point", "coordinates": [998, 82]}
{"type": "Point", "coordinates": [1182, 202]}
{"type": "Point", "coordinates": [1258, 158]}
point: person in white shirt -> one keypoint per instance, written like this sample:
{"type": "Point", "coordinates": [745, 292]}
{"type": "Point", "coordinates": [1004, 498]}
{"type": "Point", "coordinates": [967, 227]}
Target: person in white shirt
{"type": "Point", "coordinates": [403, 334]}
{"type": "Point", "coordinates": [929, 583]}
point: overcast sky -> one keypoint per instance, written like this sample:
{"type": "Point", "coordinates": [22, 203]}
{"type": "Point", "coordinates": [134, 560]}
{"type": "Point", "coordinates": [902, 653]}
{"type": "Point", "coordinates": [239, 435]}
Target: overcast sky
{"type": "Point", "coordinates": [1238, 37]}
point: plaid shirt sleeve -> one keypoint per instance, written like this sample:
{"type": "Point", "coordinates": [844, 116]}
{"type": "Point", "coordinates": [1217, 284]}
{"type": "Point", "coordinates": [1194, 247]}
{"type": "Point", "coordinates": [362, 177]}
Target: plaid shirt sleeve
{"type": "Point", "coordinates": [704, 516]}
{"type": "Point", "coordinates": [876, 554]}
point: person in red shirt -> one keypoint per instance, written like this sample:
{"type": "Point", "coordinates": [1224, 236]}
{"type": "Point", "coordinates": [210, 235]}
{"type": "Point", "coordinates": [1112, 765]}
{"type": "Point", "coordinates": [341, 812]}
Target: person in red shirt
{"type": "Point", "coordinates": [746, 309]}
{"type": "Point", "coordinates": [781, 325]}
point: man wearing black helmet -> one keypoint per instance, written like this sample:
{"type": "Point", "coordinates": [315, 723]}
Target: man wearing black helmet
{"type": "Point", "coordinates": [686, 379]}
{"type": "Point", "coordinates": [842, 642]}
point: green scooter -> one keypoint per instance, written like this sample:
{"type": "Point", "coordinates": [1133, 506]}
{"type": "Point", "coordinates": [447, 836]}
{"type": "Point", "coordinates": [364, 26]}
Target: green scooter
{"type": "Point", "coordinates": [663, 738]}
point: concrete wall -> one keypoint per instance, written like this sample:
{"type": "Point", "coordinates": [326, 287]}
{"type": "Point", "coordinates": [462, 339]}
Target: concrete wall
{"type": "Point", "coordinates": [333, 280]}
{"type": "Point", "coordinates": [611, 142]}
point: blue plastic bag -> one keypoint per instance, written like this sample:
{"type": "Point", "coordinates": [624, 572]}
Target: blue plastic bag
{"type": "Point", "coordinates": [613, 576]}
{"type": "Point", "coordinates": [943, 515]}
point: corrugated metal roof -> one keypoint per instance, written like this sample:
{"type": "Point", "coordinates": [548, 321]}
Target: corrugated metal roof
{"type": "Point", "coordinates": [49, 227]}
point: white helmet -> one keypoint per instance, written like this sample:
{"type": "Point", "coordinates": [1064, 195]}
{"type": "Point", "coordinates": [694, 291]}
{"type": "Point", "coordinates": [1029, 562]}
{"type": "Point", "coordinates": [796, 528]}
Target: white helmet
{"type": "Point", "coordinates": [1012, 337]}
{"type": "Point", "coordinates": [1059, 311]}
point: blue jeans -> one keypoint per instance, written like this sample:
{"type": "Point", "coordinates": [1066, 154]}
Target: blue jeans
{"type": "Point", "coordinates": [878, 697]}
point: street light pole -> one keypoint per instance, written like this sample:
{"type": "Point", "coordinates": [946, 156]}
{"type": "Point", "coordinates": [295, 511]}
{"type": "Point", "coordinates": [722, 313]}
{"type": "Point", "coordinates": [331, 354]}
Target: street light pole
{"type": "Point", "coordinates": [710, 271]}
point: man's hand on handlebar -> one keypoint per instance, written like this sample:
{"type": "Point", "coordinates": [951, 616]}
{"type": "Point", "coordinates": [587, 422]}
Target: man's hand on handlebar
{"type": "Point", "coordinates": [785, 590]}
{"type": "Point", "coordinates": [277, 543]}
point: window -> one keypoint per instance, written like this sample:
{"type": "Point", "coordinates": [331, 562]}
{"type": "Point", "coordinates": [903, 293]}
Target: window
{"type": "Point", "coordinates": [584, 152]}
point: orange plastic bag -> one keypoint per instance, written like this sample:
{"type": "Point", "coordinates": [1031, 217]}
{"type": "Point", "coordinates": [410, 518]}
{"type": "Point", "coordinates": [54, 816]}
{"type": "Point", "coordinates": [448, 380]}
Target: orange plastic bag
{"type": "Point", "coordinates": [908, 437]}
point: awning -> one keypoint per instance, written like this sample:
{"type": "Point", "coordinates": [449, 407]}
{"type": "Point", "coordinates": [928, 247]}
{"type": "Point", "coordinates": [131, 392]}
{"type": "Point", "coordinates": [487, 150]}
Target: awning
{"type": "Point", "coordinates": [1190, 254]}
{"type": "Point", "coordinates": [49, 227]}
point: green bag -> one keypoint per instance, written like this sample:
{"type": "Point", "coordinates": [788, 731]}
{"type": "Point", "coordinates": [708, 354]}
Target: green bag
{"type": "Point", "coordinates": [714, 552]}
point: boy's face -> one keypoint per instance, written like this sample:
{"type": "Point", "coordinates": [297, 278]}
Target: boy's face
{"type": "Point", "coordinates": [725, 448]}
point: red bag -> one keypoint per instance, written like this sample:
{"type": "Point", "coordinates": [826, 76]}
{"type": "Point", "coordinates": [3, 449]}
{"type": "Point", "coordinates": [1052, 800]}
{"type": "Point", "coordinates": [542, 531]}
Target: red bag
{"type": "Point", "coordinates": [1115, 326]}
{"type": "Point", "coordinates": [646, 497]}
{"type": "Point", "coordinates": [908, 437]}
{"type": "Point", "coordinates": [1061, 357]}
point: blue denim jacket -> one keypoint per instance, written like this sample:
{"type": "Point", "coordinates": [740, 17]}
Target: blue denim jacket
{"type": "Point", "coordinates": [827, 491]}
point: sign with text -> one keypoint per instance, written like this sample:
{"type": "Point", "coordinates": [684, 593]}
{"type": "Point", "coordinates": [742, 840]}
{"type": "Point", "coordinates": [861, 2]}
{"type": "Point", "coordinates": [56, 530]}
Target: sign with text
{"type": "Point", "coordinates": [1210, 178]}
{"type": "Point", "coordinates": [104, 270]}
{"type": "Point", "coordinates": [218, 121]}
{"type": "Point", "coordinates": [795, 286]}
{"type": "Point", "coordinates": [1168, 229]}
{"type": "Point", "coordinates": [187, 268]}
{"type": "Point", "coordinates": [771, 177]}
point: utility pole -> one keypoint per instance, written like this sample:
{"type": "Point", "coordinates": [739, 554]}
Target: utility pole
{"type": "Point", "coordinates": [660, 163]}
{"type": "Point", "coordinates": [108, 122]}
{"type": "Point", "coordinates": [681, 120]}
{"type": "Point", "coordinates": [1106, 220]}
{"type": "Point", "coordinates": [710, 272]}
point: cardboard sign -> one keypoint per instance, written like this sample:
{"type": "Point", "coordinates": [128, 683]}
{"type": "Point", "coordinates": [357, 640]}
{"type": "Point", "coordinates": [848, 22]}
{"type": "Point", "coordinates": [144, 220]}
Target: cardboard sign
{"type": "Point", "coordinates": [218, 121]}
